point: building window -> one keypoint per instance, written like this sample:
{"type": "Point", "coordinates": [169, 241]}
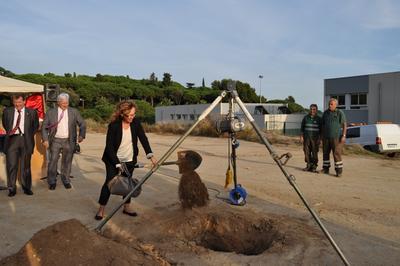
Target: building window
{"type": "Point", "coordinates": [358, 101]}
{"type": "Point", "coordinates": [192, 117]}
{"type": "Point", "coordinates": [172, 116]}
{"type": "Point", "coordinates": [178, 117]}
{"type": "Point", "coordinates": [184, 117]}
{"type": "Point", "coordinates": [341, 101]}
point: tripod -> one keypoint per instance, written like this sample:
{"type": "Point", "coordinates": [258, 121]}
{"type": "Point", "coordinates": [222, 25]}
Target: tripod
{"type": "Point", "coordinates": [234, 97]}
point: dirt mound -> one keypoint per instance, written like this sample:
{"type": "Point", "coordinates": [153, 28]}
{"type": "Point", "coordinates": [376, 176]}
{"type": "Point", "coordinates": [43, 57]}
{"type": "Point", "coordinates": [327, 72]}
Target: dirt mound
{"type": "Point", "coordinates": [70, 243]}
{"type": "Point", "coordinates": [192, 191]}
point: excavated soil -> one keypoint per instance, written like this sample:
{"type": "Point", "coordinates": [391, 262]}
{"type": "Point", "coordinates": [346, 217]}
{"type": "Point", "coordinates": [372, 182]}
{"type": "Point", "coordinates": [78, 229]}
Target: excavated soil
{"type": "Point", "coordinates": [70, 243]}
{"type": "Point", "coordinates": [217, 235]}
{"type": "Point", "coordinates": [175, 236]}
{"type": "Point", "coordinates": [192, 191]}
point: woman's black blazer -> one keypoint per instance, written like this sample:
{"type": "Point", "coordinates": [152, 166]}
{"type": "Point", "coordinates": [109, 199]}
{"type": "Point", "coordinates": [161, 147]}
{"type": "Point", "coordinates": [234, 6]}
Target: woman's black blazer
{"type": "Point", "coordinates": [114, 138]}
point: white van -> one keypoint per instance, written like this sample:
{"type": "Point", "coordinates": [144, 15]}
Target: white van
{"type": "Point", "coordinates": [382, 138]}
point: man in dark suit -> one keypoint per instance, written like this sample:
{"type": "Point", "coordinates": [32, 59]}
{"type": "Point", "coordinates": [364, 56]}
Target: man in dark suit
{"type": "Point", "coordinates": [59, 135]}
{"type": "Point", "coordinates": [21, 124]}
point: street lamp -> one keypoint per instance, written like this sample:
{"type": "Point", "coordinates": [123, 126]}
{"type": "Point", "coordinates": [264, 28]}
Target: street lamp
{"type": "Point", "coordinates": [260, 76]}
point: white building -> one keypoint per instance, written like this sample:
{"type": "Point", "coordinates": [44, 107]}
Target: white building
{"type": "Point", "coordinates": [368, 98]}
{"type": "Point", "coordinates": [267, 116]}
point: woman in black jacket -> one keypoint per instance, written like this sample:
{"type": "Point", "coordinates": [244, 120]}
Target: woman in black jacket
{"type": "Point", "coordinates": [121, 147]}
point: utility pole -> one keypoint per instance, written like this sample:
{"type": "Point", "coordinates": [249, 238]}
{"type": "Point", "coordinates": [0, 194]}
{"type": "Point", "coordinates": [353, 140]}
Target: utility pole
{"type": "Point", "coordinates": [260, 76]}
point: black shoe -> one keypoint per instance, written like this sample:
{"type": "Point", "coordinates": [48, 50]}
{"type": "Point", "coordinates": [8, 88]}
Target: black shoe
{"type": "Point", "coordinates": [325, 171]}
{"type": "Point", "coordinates": [12, 193]}
{"type": "Point", "coordinates": [98, 217]}
{"type": "Point", "coordinates": [28, 192]}
{"type": "Point", "coordinates": [313, 170]}
{"type": "Point", "coordinates": [307, 168]}
{"type": "Point", "coordinates": [130, 213]}
{"type": "Point", "coordinates": [339, 173]}
{"type": "Point", "coordinates": [52, 186]}
{"type": "Point", "coordinates": [67, 186]}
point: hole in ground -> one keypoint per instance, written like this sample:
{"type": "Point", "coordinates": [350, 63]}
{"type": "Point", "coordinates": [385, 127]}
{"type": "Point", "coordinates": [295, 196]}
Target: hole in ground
{"type": "Point", "coordinates": [238, 234]}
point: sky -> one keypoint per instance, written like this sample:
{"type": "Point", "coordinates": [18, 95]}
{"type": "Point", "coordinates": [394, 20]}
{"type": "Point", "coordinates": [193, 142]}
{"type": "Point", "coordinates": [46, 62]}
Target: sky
{"type": "Point", "coordinates": [294, 45]}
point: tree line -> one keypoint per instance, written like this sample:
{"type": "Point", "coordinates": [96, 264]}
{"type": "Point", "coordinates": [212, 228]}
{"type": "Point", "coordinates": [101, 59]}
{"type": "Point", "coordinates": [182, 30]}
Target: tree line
{"type": "Point", "coordinates": [97, 95]}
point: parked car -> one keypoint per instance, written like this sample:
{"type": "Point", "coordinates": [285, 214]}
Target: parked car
{"type": "Point", "coordinates": [381, 138]}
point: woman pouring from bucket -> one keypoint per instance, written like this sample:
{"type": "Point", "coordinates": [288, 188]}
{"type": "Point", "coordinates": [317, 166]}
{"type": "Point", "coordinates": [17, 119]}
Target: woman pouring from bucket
{"type": "Point", "coordinates": [123, 134]}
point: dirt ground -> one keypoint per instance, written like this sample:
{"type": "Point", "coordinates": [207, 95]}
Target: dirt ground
{"type": "Point", "coordinates": [361, 210]}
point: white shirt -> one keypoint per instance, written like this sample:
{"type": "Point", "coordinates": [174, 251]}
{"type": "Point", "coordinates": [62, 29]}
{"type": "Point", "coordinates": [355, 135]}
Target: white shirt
{"type": "Point", "coordinates": [21, 122]}
{"type": "Point", "coordinates": [62, 127]}
{"type": "Point", "coordinates": [125, 150]}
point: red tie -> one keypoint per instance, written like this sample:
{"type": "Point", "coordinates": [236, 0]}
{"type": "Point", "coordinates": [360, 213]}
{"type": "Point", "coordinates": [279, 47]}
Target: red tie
{"type": "Point", "coordinates": [12, 132]}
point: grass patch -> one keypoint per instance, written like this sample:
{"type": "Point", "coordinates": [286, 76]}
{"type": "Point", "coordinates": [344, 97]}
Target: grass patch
{"type": "Point", "coordinates": [93, 126]}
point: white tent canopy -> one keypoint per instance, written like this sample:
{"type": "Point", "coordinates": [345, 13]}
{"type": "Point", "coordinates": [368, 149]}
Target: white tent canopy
{"type": "Point", "coordinates": [18, 86]}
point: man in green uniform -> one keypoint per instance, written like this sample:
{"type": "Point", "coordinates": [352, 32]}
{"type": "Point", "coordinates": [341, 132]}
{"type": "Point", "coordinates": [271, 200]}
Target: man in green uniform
{"type": "Point", "coordinates": [333, 137]}
{"type": "Point", "coordinates": [310, 137]}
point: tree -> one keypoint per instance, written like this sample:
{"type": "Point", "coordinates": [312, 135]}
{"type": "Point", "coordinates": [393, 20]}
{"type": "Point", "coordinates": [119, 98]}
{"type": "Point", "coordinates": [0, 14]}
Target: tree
{"type": "Point", "coordinates": [189, 85]}
{"type": "Point", "coordinates": [67, 75]}
{"type": "Point", "coordinates": [166, 79]}
{"type": "Point", "coordinates": [203, 84]}
{"type": "Point", "coordinates": [153, 78]}
{"type": "Point", "coordinates": [175, 93]}
{"type": "Point", "coordinates": [245, 91]}
{"type": "Point", "coordinates": [166, 102]}
{"type": "Point", "coordinates": [145, 111]}
{"type": "Point", "coordinates": [6, 73]}
{"type": "Point", "coordinates": [191, 97]}
{"type": "Point", "coordinates": [295, 108]}
{"type": "Point", "coordinates": [99, 77]}
{"type": "Point", "coordinates": [290, 99]}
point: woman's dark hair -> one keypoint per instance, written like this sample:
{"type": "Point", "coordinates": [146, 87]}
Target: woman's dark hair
{"type": "Point", "coordinates": [123, 108]}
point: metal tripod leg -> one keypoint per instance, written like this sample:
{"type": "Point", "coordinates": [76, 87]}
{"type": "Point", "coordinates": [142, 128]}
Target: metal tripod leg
{"type": "Point", "coordinates": [163, 159]}
{"type": "Point", "coordinates": [288, 176]}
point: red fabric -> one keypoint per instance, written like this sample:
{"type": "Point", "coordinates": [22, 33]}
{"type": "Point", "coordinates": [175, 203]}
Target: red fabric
{"type": "Point", "coordinates": [35, 101]}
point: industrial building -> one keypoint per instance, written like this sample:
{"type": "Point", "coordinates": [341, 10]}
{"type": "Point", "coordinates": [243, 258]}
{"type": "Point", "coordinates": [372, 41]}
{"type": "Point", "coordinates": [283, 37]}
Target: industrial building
{"type": "Point", "coordinates": [368, 99]}
{"type": "Point", "coordinates": [267, 116]}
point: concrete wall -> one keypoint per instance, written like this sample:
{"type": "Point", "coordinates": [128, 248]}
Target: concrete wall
{"type": "Point", "coordinates": [347, 85]}
{"type": "Point", "coordinates": [185, 114]}
{"type": "Point", "coordinates": [356, 116]}
{"type": "Point", "coordinates": [384, 98]}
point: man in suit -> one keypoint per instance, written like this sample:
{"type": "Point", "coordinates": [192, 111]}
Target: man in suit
{"type": "Point", "coordinates": [21, 124]}
{"type": "Point", "coordinates": [59, 136]}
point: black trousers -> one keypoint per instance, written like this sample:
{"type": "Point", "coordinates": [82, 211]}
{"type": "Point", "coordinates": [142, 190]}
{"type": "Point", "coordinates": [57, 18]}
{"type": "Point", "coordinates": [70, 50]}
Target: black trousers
{"type": "Point", "coordinates": [311, 148]}
{"type": "Point", "coordinates": [112, 171]}
{"type": "Point", "coordinates": [17, 156]}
